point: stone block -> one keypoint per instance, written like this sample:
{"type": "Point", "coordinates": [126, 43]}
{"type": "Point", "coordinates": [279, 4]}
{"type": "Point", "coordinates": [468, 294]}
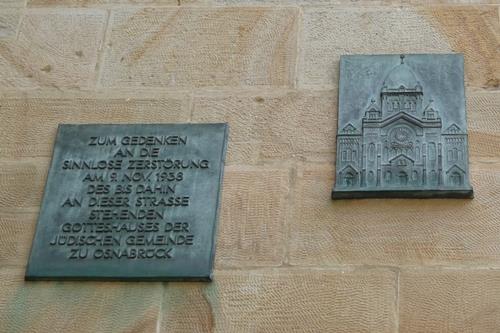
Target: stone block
{"type": "Point", "coordinates": [29, 123]}
{"type": "Point", "coordinates": [273, 126]}
{"type": "Point", "coordinates": [112, 3]}
{"type": "Point", "coordinates": [201, 47]}
{"type": "Point", "coordinates": [57, 49]}
{"type": "Point", "coordinates": [449, 301]}
{"type": "Point", "coordinates": [396, 231]}
{"type": "Point", "coordinates": [9, 20]}
{"type": "Point", "coordinates": [43, 307]}
{"type": "Point", "coordinates": [12, 3]}
{"type": "Point", "coordinates": [16, 234]}
{"type": "Point", "coordinates": [252, 227]}
{"type": "Point", "coordinates": [483, 113]}
{"type": "Point", "coordinates": [22, 182]}
{"type": "Point", "coordinates": [329, 32]}
{"type": "Point", "coordinates": [284, 300]}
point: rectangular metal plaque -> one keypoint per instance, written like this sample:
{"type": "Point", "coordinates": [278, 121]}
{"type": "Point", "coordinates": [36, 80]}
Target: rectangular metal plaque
{"type": "Point", "coordinates": [402, 129]}
{"type": "Point", "coordinates": [130, 202]}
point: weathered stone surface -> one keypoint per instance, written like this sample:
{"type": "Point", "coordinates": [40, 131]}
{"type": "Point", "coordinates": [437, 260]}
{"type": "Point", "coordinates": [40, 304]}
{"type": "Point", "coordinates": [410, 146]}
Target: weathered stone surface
{"type": "Point", "coordinates": [449, 301]}
{"type": "Point", "coordinates": [21, 183]}
{"type": "Point", "coordinates": [283, 300]}
{"type": "Point", "coordinates": [251, 51]}
{"type": "Point", "coordinates": [16, 235]}
{"type": "Point", "coordinates": [398, 231]}
{"type": "Point", "coordinates": [483, 123]}
{"type": "Point", "coordinates": [201, 47]}
{"type": "Point", "coordinates": [332, 31]}
{"type": "Point", "coordinates": [306, 2]}
{"type": "Point", "coordinates": [106, 3]}
{"type": "Point", "coordinates": [12, 3]}
{"type": "Point", "coordinates": [186, 308]}
{"type": "Point", "coordinates": [9, 19]}
{"type": "Point", "coordinates": [76, 307]}
{"type": "Point", "coordinates": [53, 49]}
{"type": "Point", "coordinates": [30, 123]}
{"type": "Point", "coordinates": [475, 32]}
{"type": "Point", "coordinates": [448, 2]}
{"type": "Point", "coordinates": [253, 217]}
{"type": "Point", "coordinates": [273, 126]}
{"type": "Point", "coordinates": [359, 3]}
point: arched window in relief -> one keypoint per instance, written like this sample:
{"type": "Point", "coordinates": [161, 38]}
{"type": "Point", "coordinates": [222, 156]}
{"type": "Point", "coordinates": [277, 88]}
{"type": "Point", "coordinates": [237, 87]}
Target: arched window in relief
{"type": "Point", "coordinates": [395, 105]}
{"type": "Point", "coordinates": [460, 155]}
{"type": "Point", "coordinates": [432, 151]}
{"type": "Point", "coordinates": [371, 177]}
{"type": "Point", "coordinates": [354, 155]}
{"type": "Point", "coordinates": [417, 153]}
{"type": "Point", "coordinates": [450, 155]}
{"type": "Point", "coordinates": [349, 179]}
{"type": "Point", "coordinates": [348, 154]}
{"type": "Point", "coordinates": [414, 175]}
{"type": "Point", "coordinates": [344, 155]}
{"type": "Point", "coordinates": [388, 176]}
{"type": "Point", "coordinates": [386, 152]}
{"type": "Point", "coordinates": [433, 177]}
{"type": "Point", "coordinates": [403, 178]}
{"type": "Point", "coordinates": [456, 179]}
{"type": "Point", "coordinates": [455, 154]}
{"type": "Point", "coordinates": [371, 152]}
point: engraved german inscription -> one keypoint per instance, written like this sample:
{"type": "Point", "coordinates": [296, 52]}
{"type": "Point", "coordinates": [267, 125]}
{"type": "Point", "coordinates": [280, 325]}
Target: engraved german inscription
{"type": "Point", "coordinates": [130, 202]}
{"type": "Point", "coordinates": [402, 128]}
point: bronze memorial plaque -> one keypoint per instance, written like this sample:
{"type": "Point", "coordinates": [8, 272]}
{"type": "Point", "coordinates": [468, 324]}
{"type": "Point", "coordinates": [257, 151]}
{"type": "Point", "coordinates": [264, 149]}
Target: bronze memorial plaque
{"type": "Point", "coordinates": [130, 202]}
{"type": "Point", "coordinates": [402, 129]}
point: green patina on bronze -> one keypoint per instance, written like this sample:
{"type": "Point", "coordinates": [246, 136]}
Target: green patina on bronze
{"type": "Point", "coordinates": [402, 129]}
{"type": "Point", "coordinates": [130, 202]}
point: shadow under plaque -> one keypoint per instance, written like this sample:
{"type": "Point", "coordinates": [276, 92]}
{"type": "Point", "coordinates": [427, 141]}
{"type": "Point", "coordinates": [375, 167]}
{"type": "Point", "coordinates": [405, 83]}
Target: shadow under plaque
{"type": "Point", "coordinates": [130, 202]}
{"type": "Point", "coordinates": [402, 129]}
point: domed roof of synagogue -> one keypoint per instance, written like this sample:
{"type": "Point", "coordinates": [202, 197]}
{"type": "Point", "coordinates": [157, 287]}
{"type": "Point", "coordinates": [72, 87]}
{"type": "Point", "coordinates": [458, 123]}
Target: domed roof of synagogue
{"type": "Point", "coordinates": [401, 75]}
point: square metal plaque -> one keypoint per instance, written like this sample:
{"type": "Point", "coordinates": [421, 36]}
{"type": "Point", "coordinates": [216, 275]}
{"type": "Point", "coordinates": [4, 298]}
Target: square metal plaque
{"type": "Point", "coordinates": [130, 202]}
{"type": "Point", "coordinates": [402, 129]}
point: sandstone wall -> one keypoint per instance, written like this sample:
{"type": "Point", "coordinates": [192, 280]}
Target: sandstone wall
{"type": "Point", "coordinates": [288, 258]}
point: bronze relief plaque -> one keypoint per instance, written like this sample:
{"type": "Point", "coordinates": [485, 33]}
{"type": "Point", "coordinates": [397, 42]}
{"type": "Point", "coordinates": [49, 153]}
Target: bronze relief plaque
{"type": "Point", "coordinates": [130, 202]}
{"type": "Point", "coordinates": [402, 129]}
